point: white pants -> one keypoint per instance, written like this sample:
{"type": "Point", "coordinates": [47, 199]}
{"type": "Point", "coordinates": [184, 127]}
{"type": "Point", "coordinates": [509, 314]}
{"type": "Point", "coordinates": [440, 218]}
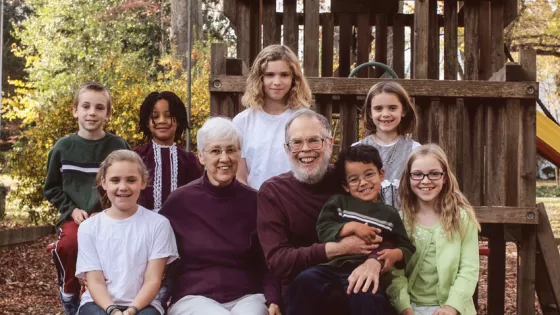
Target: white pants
{"type": "Point", "coordinates": [424, 310]}
{"type": "Point", "coordinates": [251, 304]}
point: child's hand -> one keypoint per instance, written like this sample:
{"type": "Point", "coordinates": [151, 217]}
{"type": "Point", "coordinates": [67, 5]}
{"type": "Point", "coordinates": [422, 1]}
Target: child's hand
{"type": "Point", "coordinates": [79, 215]}
{"type": "Point", "coordinates": [446, 310]}
{"type": "Point", "coordinates": [407, 311]}
{"type": "Point", "coordinates": [365, 232]}
{"type": "Point", "coordinates": [390, 256]}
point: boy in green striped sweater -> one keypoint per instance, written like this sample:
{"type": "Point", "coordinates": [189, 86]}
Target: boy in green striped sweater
{"type": "Point", "coordinates": [72, 165]}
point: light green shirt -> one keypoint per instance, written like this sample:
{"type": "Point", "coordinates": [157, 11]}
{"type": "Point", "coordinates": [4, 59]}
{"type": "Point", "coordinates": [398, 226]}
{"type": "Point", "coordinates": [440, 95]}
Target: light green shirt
{"type": "Point", "coordinates": [424, 289]}
{"type": "Point", "coordinates": [456, 264]}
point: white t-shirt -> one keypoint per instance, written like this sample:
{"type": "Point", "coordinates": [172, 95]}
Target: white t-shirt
{"type": "Point", "coordinates": [122, 249]}
{"type": "Point", "coordinates": [263, 144]}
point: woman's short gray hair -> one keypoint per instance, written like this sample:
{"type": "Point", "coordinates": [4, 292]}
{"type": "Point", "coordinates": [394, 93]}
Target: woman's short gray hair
{"type": "Point", "coordinates": [218, 129]}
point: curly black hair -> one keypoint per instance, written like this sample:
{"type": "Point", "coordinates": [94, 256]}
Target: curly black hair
{"type": "Point", "coordinates": [358, 153]}
{"type": "Point", "coordinates": [176, 108]}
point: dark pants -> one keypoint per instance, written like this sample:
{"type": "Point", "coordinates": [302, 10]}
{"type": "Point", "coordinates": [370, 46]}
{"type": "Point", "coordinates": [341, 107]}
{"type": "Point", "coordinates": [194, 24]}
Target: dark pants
{"type": "Point", "coordinates": [91, 308]}
{"type": "Point", "coordinates": [322, 290]}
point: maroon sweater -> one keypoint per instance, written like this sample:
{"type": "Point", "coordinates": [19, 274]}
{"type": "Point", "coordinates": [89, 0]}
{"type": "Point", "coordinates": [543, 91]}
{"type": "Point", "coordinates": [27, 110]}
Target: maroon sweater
{"type": "Point", "coordinates": [287, 216]}
{"type": "Point", "coordinates": [215, 228]}
{"type": "Point", "coordinates": [188, 170]}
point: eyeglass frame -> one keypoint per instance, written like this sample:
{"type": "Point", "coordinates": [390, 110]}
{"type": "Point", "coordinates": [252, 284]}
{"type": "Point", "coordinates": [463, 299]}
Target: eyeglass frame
{"type": "Point", "coordinates": [222, 151]}
{"type": "Point", "coordinates": [307, 141]}
{"type": "Point", "coordinates": [426, 175]}
{"type": "Point", "coordinates": [364, 178]}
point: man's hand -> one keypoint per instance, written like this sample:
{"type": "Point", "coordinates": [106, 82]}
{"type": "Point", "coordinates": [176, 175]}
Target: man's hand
{"type": "Point", "coordinates": [446, 310]}
{"type": "Point", "coordinates": [407, 311]}
{"type": "Point", "coordinates": [390, 257]}
{"type": "Point", "coordinates": [353, 245]}
{"type": "Point", "coordinates": [364, 276]}
{"type": "Point", "coordinates": [273, 309]}
{"type": "Point", "coordinates": [365, 232]}
{"type": "Point", "coordinates": [79, 215]}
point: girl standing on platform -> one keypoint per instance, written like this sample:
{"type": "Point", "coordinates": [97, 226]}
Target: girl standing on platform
{"type": "Point", "coordinates": [163, 119]}
{"type": "Point", "coordinates": [276, 88]}
{"type": "Point", "coordinates": [441, 276]}
{"type": "Point", "coordinates": [390, 117]}
{"type": "Point", "coordinates": [123, 251]}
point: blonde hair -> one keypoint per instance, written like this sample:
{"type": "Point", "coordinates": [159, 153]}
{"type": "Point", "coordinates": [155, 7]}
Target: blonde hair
{"type": "Point", "coordinates": [449, 202]}
{"type": "Point", "coordinates": [408, 123]}
{"type": "Point", "coordinates": [96, 87]}
{"type": "Point", "coordinates": [299, 94]}
{"type": "Point", "coordinates": [112, 158]}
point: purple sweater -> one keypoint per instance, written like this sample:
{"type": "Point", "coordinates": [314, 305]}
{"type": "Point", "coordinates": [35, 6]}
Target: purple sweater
{"type": "Point", "coordinates": [188, 170]}
{"type": "Point", "coordinates": [215, 228]}
{"type": "Point", "coordinates": [286, 221]}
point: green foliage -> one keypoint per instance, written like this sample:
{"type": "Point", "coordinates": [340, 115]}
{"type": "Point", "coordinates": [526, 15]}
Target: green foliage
{"type": "Point", "coordinates": [69, 42]}
{"type": "Point", "coordinates": [548, 191]}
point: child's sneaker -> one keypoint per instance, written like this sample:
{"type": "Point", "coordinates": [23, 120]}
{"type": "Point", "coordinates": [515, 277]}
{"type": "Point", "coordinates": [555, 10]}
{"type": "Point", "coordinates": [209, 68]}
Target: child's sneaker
{"type": "Point", "coordinates": [70, 304]}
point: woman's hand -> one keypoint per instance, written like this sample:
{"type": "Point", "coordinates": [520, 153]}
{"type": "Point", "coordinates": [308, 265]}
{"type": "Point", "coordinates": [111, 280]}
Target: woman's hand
{"type": "Point", "coordinates": [364, 276]}
{"type": "Point", "coordinates": [274, 309]}
{"type": "Point", "coordinates": [390, 257]}
{"type": "Point", "coordinates": [446, 310]}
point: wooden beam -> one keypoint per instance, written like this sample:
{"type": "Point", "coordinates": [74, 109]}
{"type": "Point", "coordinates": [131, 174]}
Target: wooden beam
{"type": "Point", "coordinates": [218, 56]}
{"type": "Point", "coordinates": [269, 23]}
{"type": "Point", "coordinates": [380, 42]}
{"type": "Point", "coordinates": [507, 215]}
{"type": "Point", "coordinates": [311, 38]}
{"type": "Point", "coordinates": [433, 88]}
{"type": "Point", "coordinates": [421, 32]}
{"type": "Point", "coordinates": [398, 45]}
{"type": "Point", "coordinates": [450, 40]}
{"type": "Point", "coordinates": [291, 29]}
{"type": "Point", "coordinates": [551, 258]}
{"type": "Point", "coordinates": [471, 40]}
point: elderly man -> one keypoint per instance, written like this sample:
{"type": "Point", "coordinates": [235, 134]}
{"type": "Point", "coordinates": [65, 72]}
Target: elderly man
{"type": "Point", "coordinates": [288, 208]}
{"type": "Point", "coordinates": [222, 269]}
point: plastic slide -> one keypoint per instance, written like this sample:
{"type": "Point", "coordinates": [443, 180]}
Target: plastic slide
{"type": "Point", "coordinates": [548, 139]}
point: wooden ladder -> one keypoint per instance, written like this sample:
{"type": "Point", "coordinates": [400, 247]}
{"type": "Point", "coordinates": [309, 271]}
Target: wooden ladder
{"type": "Point", "coordinates": [547, 275]}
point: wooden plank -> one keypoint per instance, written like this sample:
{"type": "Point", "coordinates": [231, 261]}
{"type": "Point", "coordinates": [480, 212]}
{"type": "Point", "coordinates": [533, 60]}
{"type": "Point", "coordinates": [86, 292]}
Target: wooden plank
{"type": "Point", "coordinates": [291, 28]}
{"type": "Point", "coordinates": [448, 128]}
{"type": "Point", "coordinates": [218, 53]}
{"type": "Point", "coordinates": [497, 38]}
{"type": "Point", "coordinates": [24, 235]}
{"type": "Point", "coordinates": [311, 38]}
{"type": "Point", "coordinates": [380, 42]}
{"type": "Point", "coordinates": [421, 31]}
{"type": "Point", "coordinates": [364, 42]}
{"type": "Point", "coordinates": [527, 191]}
{"type": "Point", "coordinates": [398, 45]}
{"type": "Point", "coordinates": [348, 121]}
{"type": "Point", "coordinates": [361, 6]}
{"type": "Point", "coordinates": [450, 40]}
{"type": "Point", "coordinates": [544, 288]}
{"type": "Point", "coordinates": [423, 112]}
{"type": "Point", "coordinates": [507, 215]}
{"type": "Point", "coordinates": [269, 25]}
{"type": "Point", "coordinates": [550, 260]}
{"type": "Point", "coordinates": [344, 45]}
{"type": "Point", "coordinates": [327, 46]}
{"type": "Point", "coordinates": [243, 32]}
{"type": "Point", "coordinates": [433, 41]}
{"type": "Point", "coordinates": [256, 40]}
{"type": "Point", "coordinates": [433, 88]}
{"type": "Point", "coordinates": [471, 40]}
{"type": "Point", "coordinates": [485, 67]}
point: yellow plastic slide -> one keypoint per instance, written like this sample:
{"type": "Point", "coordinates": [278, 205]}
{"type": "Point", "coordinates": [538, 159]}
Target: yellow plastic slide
{"type": "Point", "coordinates": [548, 139]}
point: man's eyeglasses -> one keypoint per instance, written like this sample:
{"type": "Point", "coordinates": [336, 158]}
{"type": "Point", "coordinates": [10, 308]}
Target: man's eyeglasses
{"type": "Point", "coordinates": [216, 152]}
{"type": "Point", "coordinates": [314, 143]}
{"type": "Point", "coordinates": [431, 175]}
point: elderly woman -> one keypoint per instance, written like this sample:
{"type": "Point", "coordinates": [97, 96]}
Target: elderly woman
{"type": "Point", "coordinates": [222, 269]}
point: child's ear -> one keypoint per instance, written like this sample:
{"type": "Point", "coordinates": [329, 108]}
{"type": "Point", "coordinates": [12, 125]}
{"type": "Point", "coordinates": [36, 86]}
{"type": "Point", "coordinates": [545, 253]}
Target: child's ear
{"type": "Point", "coordinates": [75, 112]}
{"type": "Point", "coordinates": [382, 174]}
{"type": "Point", "coordinates": [103, 183]}
{"type": "Point", "coordinates": [346, 188]}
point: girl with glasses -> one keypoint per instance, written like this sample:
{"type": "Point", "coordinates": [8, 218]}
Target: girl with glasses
{"type": "Point", "coordinates": [276, 88]}
{"type": "Point", "coordinates": [441, 276]}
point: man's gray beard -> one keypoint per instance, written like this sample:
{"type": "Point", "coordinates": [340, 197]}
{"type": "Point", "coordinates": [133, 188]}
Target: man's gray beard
{"type": "Point", "coordinates": [311, 178]}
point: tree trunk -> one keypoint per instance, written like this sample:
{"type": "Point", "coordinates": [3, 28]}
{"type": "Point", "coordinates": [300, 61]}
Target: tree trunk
{"type": "Point", "coordinates": [179, 26]}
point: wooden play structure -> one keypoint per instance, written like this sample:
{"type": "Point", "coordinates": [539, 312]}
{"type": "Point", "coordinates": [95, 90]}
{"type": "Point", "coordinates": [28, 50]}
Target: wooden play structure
{"type": "Point", "coordinates": [486, 121]}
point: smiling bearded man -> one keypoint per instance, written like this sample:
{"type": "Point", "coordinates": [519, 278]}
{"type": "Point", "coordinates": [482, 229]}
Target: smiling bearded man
{"type": "Point", "coordinates": [288, 206]}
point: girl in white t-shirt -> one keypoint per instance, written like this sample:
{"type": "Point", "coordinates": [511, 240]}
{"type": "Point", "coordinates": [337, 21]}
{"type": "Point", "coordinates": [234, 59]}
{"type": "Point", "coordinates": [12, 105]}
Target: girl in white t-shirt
{"type": "Point", "coordinates": [123, 251]}
{"type": "Point", "coordinates": [275, 89]}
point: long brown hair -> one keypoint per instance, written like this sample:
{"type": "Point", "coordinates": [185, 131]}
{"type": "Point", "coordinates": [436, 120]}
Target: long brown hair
{"type": "Point", "coordinates": [449, 202]}
{"type": "Point", "coordinates": [117, 156]}
{"type": "Point", "coordinates": [299, 94]}
{"type": "Point", "coordinates": [408, 122]}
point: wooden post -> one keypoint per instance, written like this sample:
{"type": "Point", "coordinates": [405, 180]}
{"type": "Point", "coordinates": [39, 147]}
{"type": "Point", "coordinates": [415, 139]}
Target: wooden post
{"type": "Point", "coordinates": [433, 41]}
{"type": "Point", "coordinates": [324, 103]}
{"type": "Point", "coordinates": [311, 38]}
{"type": "Point", "coordinates": [364, 42]}
{"type": "Point", "coordinates": [450, 39]}
{"type": "Point", "coordinates": [398, 45]}
{"type": "Point", "coordinates": [291, 28]}
{"type": "Point", "coordinates": [218, 55]}
{"type": "Point", "coordinates": [270, 28]}
{"type": "Point", "coordinates": [380, 42]}
{"type": "Point", "coordinates": [344, 44]}
{"type": "Point", "coordinates": [421, 31]}
{"type": "Point", "coordinates": [244, 31]}
{"type": "Point", "coordinates": [527, 191]}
